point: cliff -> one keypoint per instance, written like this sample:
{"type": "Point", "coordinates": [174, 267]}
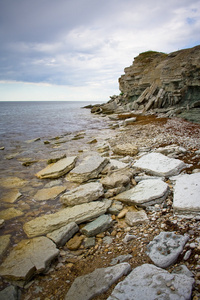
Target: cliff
{"type": "Point", "coordinates": [159, 81]}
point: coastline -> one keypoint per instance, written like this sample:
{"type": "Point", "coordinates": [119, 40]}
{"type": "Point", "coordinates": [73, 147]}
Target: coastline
{"type": "Point", "coordinates": [147, 134]}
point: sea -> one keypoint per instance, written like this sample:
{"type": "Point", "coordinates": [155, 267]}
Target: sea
{"type": "Point", "coordinates": [21, 120]}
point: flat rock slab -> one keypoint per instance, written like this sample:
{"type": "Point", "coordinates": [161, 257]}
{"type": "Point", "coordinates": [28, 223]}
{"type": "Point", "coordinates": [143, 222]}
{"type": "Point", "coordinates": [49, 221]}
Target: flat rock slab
{"type": "Point", "coordinates": [28, 258]}
{"type": "Point", "coordinates": [88, 169]}
{"type": "Point", "coordinates": [58, 169]}
{"type": "Point", "coordinates": [159, 165]}
{"type": "Point", "coordinates": [4, 243]}
{"type": "Point", "coordinates": [83, 194]}
{"type": "Point", "coordinates": [63, 234]}
{"type": "Point", "coordinates": [136, 217]}
{"type": "Point", "coordinates": [91, 285]}
{"type": "Point", "coordinates": [187, 195]}
{"type": "Point", "coordinates": [165, 248]}
{"type": "Point", "coordinates": [145, 193]}
{"type": "Point", "coordinates": [10, 213]}
{"type": "Point", "coordinates": [11, 197]}
{"type": "Point", "coordinates": [101, 224]}
{"type": "Point", "coordinates": [148, 282]}
{"type": "Point", "coordinates": [49, 193]}
{"type": "Point", "coordinates": [78, 214]}
{"type": "Point", "coordinates": [12, 182]}
{"type": "Point", "coordinates": [120, 177]}
{"type": "Point", "coordinates": [125, 149]}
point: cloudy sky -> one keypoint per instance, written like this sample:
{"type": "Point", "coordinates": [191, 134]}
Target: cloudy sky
{"type": "Point", "coordinates": [77, 49]}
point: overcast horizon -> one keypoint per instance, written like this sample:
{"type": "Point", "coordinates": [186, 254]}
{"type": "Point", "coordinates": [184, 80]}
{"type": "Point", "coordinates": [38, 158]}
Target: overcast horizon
{"type": "Point", "coordinates": [76, 50]}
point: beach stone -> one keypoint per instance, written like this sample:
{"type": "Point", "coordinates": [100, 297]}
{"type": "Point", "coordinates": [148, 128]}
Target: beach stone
{"type": "Point", "coordinates": [125, 149]}
{"type": "Point", "coordinates": [159, 165]}
{"type": "Point", "coordinates": [136, 217]}
{"type": "Point", "coordinates": [33, 140]}
{"type": "Point", "coordinates": [12, 182]}
{"type": "Point", "coordinates": [2, 222]}
{"type": "Point", "coordinates": [145, 193]}
{"type": "Point", "coordinates": [93, 284]}
{"type": "Point", "coordinates": [89, 168]}
{"type": "Point", "coordinates": [101, 224]}
{"type": "Point", "coordinates": [148, 282]}
{"type": "Point", "coordinates": [120, 259]}
{"type": "Point", "coordinates": [10, 213]}
{"type": "Point", "coordinates": [55, 157]}
{"type": "Point", "coordinates": [10, 293]}
{"type": "Point", "coordinates": [4, 243]}
{"type": "Point", "coordinates": [117, 178]}
{"type": "Point", "coordinates": [118, 164]}
{"type": "Point", "coordinates": [83, 194]}
{"type": "Point", "coordinates": [28, 258]}
{"type": "Point", "coordinates": [186, 200]}
{"type": "Point", "coordinates": [63, 234]}
{"type": "Point", "coordinates": [75, 242]}
{"type": "Point", "coordinates": [115, 208]}
{"type": "Point", "coordinates": [49, 193]}
{"type": "Point", "coordinates": [78, 214]}
{"type": "Point", "coordinates": [129, 121]}
{"type": "Point", "coordinates": [103, 147]}
{"type": "Point", "coordinates": [58, 169]}
{"type": "Point", "coordinates": [165, 248]}
{"type": "Point", "coordinates": [89, 242]}
{"type": "Point", "coordinates": [11, 196]}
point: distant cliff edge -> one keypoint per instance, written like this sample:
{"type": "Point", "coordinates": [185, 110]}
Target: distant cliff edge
{"type": "Point", "coordinates": [168, 83]}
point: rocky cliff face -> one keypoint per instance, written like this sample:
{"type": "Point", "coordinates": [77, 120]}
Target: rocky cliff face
{"type": "Point", "coordinates": [159, 81]}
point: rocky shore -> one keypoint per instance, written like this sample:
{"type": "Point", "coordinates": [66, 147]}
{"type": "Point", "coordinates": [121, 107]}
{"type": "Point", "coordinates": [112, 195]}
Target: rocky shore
{"type": "Point", "coordinates": [111, 214]}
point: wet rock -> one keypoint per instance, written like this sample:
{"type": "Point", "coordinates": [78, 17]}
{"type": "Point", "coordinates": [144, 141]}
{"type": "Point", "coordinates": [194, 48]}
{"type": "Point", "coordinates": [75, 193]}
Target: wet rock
{"type": "Point", "coordinates": [11, 196]}
{"type": "Point", "coordinates": [33, 140]}
{"type": "Point", "coordinates": [79, 213]}
{"type": "Point", "coordinates": [63, 234]}
{"type": "Point", "coordinates": [28, 258]}
{"type": "Point", "coordinates": [186, 201]}
{"type": "Point", "coordinates": [12, 182]}
{"type": "Point", "coordinates": [165, 248]}
{"type": "Point", "coordinates": [10, 213]}
{"type": "Point", "coordinates": [10, 293]}
{"type": "Point", "coordinates": [58, 169]}
{"type": "Point", "coordinates": [159, 165]}
{"type": "Point", "coordinates": [2, 222]}
{"type": "Point", "coordinates": [2, 148]}
{"type": "Point", "coordinates": [125, 149]}
{"type": "Point", "coordinates": [56, 158]}
{"type": "Point", "coordinates": [101, 224]}
{"type": "Point", "coordinates": [4, 243]}
{"type": "Point", "coordinates": [91, 285]}
{"type": "Point", "coordinates": [49, 193]}
{"type": "Point", "coordinates": [88, 169]}
{"type": "Point", "coordinates": [136, 217]}
{"type": "Point", "coordinates": [29, 163]}
{"type": "Point", "coordinates": [83, 194]}
{"type": "Point", "coordinates": [148, 282]}
{"type": "Point", "coordinates": [145, 193]}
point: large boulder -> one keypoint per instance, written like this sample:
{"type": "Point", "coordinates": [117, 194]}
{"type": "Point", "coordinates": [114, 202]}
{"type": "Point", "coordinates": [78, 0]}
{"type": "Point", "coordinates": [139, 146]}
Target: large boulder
{"type": "Point", "coordinates": [148, 282]}
{"type": "Point", "coordinates": [83, 194]}
{"type": "Point", "coordinates": [78, 214]}
{"type": "Point", "coordinates": [186, 201]}
{"type": "Point", "coordinates": [93, 284]}
{"type": "Point", "coordinates": [89, 168]}
{"type": "Point", "coordinates": [159, 165]}
{"type": "Point", "coordinates": [29, 257]}
{"type": "Point", "coordinates": [145, 193]}
{"type": "Point", "coordinates": [58, 169]}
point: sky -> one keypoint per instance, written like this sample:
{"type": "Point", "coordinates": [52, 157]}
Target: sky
{"type": "Point", "coordinates": [75, 50]}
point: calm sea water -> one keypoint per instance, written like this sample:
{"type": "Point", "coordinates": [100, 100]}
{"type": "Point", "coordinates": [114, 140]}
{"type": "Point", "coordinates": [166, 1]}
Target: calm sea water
{"type": "Point", "coordinates": [28, 120]}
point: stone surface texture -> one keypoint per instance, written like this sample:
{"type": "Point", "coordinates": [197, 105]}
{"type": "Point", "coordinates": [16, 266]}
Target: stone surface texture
{"type": "Point", "coordinates": [159, 165]}
{"type": "Point", "coordinates": [145, 193]}
{"type": "Point", "coordinates": [28, 258]}
{"type": "Point", "coordinates": [63, 234]}
{"type": "Point", "coordinates": [136, 217]}
{"type": "Point", "coordinates": [91, 285]}
{"type": "Point", "coordinates": [125, 149]}
{"type": "Point", "coordinates": [83, 194]}
{"type": "Point", "coordinates": [58, 169]}
{"type": "Point", "coordinates": [165, 248]}
{"type": "Point", "coordinates": [148, 282]}
{"type": "Point", "coordinates": [186, 200]}
{"type": "Point", "coordinates": [101, 224]}
{"type": "Point", "coordinates": [79, 213]}
{"type": "Point", "coordinates": [49, 193]}
{"type": "Point", "coordinates": [4, 243]}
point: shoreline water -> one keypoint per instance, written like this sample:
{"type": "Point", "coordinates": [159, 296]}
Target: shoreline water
{"type": "Point", "coordinates": [150, 136]}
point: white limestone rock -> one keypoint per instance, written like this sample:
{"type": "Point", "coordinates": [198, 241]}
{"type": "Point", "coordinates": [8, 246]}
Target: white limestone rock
{"type": "Point", "coordinates": [165, 248]}
{"type": "Point", "coordinates": [80, 213]}
{"type": "Point", "coordinates": [148, 282]}
{"type": "Point", "coordinates": [28, 258]}
{"type": "Point", "coordinates": [159, 165]}
{"type": "Point", "coordinates": [186, 202]}
{"type": "Point", "coordinates": [58, 169]}
{"type": "Point", "coordinates": [83, 194]}
{"type": "Point", "coordinates": [136, 217]}
{"type": "Point", "coordinates": [88, 169]}
{"type": "Point", "coordinates": [145, 193]}
{"type": "Point", "coordinates": [91, 285]}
